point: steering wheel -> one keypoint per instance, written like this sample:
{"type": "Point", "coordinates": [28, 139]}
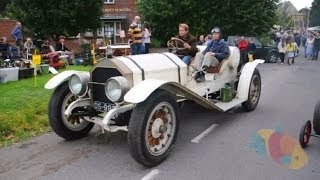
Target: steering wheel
{"type": "Point", "coordinates": [173, 44]}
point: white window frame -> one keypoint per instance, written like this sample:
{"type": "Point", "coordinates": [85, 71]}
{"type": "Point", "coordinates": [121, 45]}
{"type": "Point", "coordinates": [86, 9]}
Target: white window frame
{"type": "Point", "coordinates": [109, 1]}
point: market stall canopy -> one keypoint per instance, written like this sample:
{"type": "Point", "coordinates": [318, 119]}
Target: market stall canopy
{"type": "Point", "coordinates": [316, 28]}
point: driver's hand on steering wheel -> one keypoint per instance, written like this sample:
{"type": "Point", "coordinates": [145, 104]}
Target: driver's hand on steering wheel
{"type": "Point", "coordinates": [186, 45]}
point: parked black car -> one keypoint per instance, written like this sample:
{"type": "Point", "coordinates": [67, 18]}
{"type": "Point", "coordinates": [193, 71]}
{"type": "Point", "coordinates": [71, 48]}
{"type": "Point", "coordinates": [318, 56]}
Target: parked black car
{"type": "Point", "coordinates": [269, 53]}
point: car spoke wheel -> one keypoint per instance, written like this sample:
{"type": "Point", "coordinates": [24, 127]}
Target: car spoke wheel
{"type": "Point", "coordinates": [69, 128]}
{"type": "Point", "coordinates": [254, 92]}
{"type": "Point", "coordinates": [153, 128]}
{"type": "Point", "coordinates": [305, 134]}
{"type": "Point", "coordinates": [160, 127]}
{"type": "Point", "coordinates": [74, 123]}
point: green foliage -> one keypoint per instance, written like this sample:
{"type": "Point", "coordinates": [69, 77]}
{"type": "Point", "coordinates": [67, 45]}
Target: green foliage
{"type": "Point", "coordinates": [24, 108]}
{"type": "Point", "coordinates": [86, 54]}
{"type": "Point", "coordinates": [249, 17]}
{"type": "Point", "coordinates": [54, 18]}
{"type": "Point", "coordinates": [315, 13]}
{"type": "Point", "coordinates": [3, 5]}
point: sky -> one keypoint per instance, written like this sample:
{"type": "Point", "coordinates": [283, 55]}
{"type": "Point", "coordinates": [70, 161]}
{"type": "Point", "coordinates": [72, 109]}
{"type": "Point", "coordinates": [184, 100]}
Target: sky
{"type": "Point", "coordinates": [299, 4]}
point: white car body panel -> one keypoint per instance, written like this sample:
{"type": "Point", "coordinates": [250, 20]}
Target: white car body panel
{"type": "Point", "coordinates": [245, 78]}
{"type": "Point", "coordinates": [156, 66]}
{"type": "Point", "coordinates": [60, 78]}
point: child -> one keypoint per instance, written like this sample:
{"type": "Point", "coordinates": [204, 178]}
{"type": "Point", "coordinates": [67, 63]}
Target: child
{"type": "Point", "coordinates": [251, 49]}
{"type": "Point", "coordinates": [291, 49]}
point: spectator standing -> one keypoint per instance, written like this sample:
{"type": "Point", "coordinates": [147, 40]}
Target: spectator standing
{"type": "Point", "coordinates": [146, 37]}
{"type": "Point", "coordinates": [309, 46]}
{"type": "Point", "coordinates": [316, 46]}
{"type": "Point", "coordinates": [251, 48]}
{"type": "Point", "coordinates": [207, 40]}
{"type": "Point", "coordinates": [4, 48]}
{"type": "Point", "coordinates": [297, 38]}
{"type": "Point", "coordinates": [304, 42]}
{"type": "Point", "coordinates": [201, 40]}
{"type": "Point", "coordinates": [243, 46]}
{"type": "Point", "coordinates": [135, 34]}
{"type": "Point", "coordinates": [17, 35]}
{"type": "Point", "coordinates": [277, 38]}
{"type": "Point", "coordinates": [282, 47]}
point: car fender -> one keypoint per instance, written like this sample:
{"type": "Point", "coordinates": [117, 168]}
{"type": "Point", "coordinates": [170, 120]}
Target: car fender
{"type": "Point", "coordinates": [245, 78]}
{"type": "Point", "coordinates": [141, 91]}
{"type": "Point", "coordinates": [60, 78]}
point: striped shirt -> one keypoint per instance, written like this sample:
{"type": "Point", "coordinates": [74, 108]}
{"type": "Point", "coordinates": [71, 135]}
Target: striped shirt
{"type": "Point", "coordinates": [135, 33]}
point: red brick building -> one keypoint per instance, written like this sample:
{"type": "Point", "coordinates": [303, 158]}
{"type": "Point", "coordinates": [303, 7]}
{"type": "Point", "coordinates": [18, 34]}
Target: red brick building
{"type": "Point", "coordinates": [118, 15]}
{"type": "Point", "coordinates": [6, 26]}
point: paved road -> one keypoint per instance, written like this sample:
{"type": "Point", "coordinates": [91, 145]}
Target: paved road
{"type": "Point", "coordinates": [288, 97]}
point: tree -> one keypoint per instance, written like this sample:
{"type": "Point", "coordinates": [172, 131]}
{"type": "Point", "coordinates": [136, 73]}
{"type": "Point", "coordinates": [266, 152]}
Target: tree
{"type": "Point", "coordinates": [248, 17]}
{"type": "Point", "coordinates": [3, 5]}
{"type": "Point", "coordinates": [315, 13]}
{"type": "Point", "coordinates": [53, 18]}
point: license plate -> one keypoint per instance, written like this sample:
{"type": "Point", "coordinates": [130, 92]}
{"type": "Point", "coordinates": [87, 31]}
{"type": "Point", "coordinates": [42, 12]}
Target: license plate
{"type": "Point", "coordinates": [102, 106]}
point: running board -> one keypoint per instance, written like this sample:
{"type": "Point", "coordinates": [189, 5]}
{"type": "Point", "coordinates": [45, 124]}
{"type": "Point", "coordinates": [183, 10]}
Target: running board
{"type": "Point", "coordinates": [180, 90]}
{"type": "Point", "coordinates": [225, 106]}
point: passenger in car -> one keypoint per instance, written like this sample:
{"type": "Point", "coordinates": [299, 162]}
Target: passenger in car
{"type": "Point", "coordinates": [190, 45]}
{"type": "Point", "coordinates": [215, 52]}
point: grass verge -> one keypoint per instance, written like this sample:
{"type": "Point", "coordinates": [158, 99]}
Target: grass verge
{"type": "Point", "coordinates": [23, 108]}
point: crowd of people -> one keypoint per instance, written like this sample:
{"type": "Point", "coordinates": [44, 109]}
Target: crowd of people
{"type": "Point", "coordinates": [14, 54]}
{"type": "Point", "coordinates": [289, 43]}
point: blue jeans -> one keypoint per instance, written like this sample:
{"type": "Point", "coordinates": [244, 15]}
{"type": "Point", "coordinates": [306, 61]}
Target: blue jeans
{"type": "Point", "coordinates": [186, 59]}
{"type": "Point", "coordinates": [315, 53]}
{"type": "Point", "coordinates": [137, 49]}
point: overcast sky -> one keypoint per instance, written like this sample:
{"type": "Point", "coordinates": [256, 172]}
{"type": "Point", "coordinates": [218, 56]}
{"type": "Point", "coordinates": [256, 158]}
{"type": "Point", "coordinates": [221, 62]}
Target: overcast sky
{"type": "Point", "coordinates": [299, 4]}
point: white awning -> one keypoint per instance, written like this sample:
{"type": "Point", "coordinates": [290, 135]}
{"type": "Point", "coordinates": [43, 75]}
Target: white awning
{"type": "Point", "coordinates": [316, 28]}
{"type": "Point", "coordinates": [112, 17]}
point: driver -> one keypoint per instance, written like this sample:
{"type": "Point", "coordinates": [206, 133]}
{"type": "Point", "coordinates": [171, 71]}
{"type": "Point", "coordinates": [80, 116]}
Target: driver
{"type": "Point", "coordinates": [216, 51]}
{"type": "Point", "coordinates": [189, 46]}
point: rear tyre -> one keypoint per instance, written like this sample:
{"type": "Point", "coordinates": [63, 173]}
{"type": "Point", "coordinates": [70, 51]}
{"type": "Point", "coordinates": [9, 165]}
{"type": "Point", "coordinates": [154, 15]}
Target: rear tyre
{"type": "Point", "coordinates": [254, 92]}
{"type": "Point", "coordinates": [153, 128]}
{"type": "Point", "coordinates": [305, 134]}
{"type": "Point", "coordinates": [316, 118]}
{"type": "Point", "coordinates": [69, 128]}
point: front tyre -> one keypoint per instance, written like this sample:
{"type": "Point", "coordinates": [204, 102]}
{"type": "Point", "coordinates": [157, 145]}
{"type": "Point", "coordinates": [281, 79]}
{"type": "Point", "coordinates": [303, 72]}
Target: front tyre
{"type": "Point", "coordinates": [153, 128]}
{"type": "Point", "coordinates": [69, 128]}
{"type": "Point", "coordinates": [254, 92]}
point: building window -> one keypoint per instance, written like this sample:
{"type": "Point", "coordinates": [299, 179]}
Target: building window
{"type": "Point", "coordinates": [109, 1]}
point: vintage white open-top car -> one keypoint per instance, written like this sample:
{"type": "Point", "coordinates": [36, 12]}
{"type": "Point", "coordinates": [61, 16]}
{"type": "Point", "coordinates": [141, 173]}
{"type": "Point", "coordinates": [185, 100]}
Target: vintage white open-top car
{"type": "Point", "coordinates": [142, 94]}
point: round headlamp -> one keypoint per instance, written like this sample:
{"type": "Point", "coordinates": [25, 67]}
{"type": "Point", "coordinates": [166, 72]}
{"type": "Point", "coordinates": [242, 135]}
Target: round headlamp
{"type": "Point", "coordinates": [78, 83]}
{"type": "Point", "coordinates": [116, 88]}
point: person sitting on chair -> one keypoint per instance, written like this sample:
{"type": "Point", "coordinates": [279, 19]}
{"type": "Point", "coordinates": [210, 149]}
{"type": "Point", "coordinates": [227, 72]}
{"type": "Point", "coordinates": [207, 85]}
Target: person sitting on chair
{"type": "Point", "coordinates": [216, 51]}
{"type": "Point", "coordinates": [60, 46]}
{"type": "Point", "coordinates": [189, 46]}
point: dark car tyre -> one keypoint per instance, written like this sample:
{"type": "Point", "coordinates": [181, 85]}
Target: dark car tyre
{"type": "Point", "coordinates": [254, 92]}
{"type": "Point", "coordinates": [153, 128]}
{"type": "Point", "coordinates": [272, 57]}
{"type": "Point", "coordinates": [69, 128]}
{"type": "Point", "coordinates": [316, 118]}
{"type": "Point", "coordinates": [305, 133]}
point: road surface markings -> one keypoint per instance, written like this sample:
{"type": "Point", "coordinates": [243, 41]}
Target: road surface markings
{"type": "Point", "coordinates": [204, 134]}
{"type": "Point", "coordinates": [151, 175]}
